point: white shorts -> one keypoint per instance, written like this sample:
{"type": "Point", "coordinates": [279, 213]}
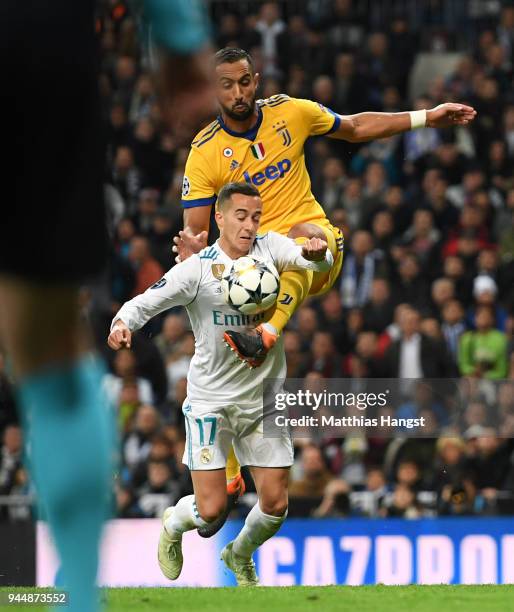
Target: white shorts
{"type": "Point", "coordinates": [212, 430]}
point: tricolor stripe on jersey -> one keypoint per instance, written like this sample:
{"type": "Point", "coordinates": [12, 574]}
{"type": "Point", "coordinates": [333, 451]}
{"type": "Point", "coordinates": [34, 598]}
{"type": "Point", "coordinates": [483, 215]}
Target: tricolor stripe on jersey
{"type": "Point", "coordinates": [258, 150]}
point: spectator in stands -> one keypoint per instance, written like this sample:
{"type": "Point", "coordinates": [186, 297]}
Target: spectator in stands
{"type": "Point", "coordinates": [446, 216]}
{"type": "Point", "coordinates": [315, 476]}
{"type": "Point", "coordinates": [306, 325]}
{"type": "Point", "coordinates": [138, 443]}
{"type": "Point", "coordinates": [347, 89]}
{"type": "Point", "coordinates": [169, 340]}
{"type": "Point", "coordinates": [449, 462]}
{"type": "Point", "coordinates": [458, 499]}
{"type": "Point", "coordinates": [454, 269]}
{"type": "Point", "coordinates": [148, 270]}
{"type": "Point", "coordinates": [331, 319]}
{"type": "Point", "coordinates": [10, 457]}
{"type": "Point", "coordinates": [422, 400]}
{"type": "Point", "coordinates": [178, 365]}
{"type": "Point", "coordinates": [324, 357]}
{"type": "Point", "coordinates": [489, 467]}
{"type": "Point", "coordinates": [129, 402]}
{"type": "Point", "coordinates": [453, 326]}
{"type": "Point", "coordinates": [411, 287]}
{"type": "Point", "coordinates": [125, 371]}
{"type": "Point", "coordinates": [361, 267]}
{"type": "Point", "coordinates": [373, 191]}
{"type": "Point", "coordinates": [442, 292]}
{"type": "Point", "coordinates": [422, 239]}
{"type": "Point", "coordinates": [142, 98]}
{"type": "Point", "coordinates": [126, 503]}
{"type": "Point", "coordinates": [335, 502]}
{"type": "Point", "coordinates": [160, 235]}
{"type": "Point", "coordinates": [483, 353]}
{"type": "Point", "coordinates": [125, 231]}
{"type": "Point", "coordinates": [485, 291]}
{"type": "Point", "coordinates": [334, 180]}
{"type": "Point", "coordinates": [296, 361]}
{"type": "Point", "coordinates": [159, 491]}
{"type": "Point", "coordinates": [401, 504]}
{"type": "Point", "coordinates": [147, 207]}
{"type": "Point", "coordinates": [378, 312]}
{"type": "Point", "coordinates": [126, 177]}
{"type": "Point", "coordinates": [270, 26]}
{"type": "Point", "coordinates": [351, 201]}
{"type": "Point", "coordinates": [415, 355]}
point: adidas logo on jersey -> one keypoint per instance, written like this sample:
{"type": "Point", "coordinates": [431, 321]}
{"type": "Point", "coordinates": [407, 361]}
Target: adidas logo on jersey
{"type": "Point", "coordinates": [270, 173]}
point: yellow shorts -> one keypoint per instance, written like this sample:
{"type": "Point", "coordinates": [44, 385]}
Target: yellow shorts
{"type": "Point", "coordinates": [323, 281]}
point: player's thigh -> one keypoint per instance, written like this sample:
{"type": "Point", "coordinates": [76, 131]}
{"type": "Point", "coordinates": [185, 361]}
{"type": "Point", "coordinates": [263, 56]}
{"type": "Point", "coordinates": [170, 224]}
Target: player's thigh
{"type": "Point", "coordinates": [39, 324]}
{"type": "Point", "coordinates": [210, 492]}
{"type": "Point", "coordinates": [271, 486]}
{"type": "Point", "coordinates": [209, 437]}
{"type": "Point", "coordinates": [269, 455]}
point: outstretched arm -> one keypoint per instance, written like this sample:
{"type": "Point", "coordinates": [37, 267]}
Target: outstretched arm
{"type": "Point", "coordinates": [178, 287]}
{"type": "Point", "coordinates": [313, 254]}
{"type": "Point", "coordinates": [368, 126]}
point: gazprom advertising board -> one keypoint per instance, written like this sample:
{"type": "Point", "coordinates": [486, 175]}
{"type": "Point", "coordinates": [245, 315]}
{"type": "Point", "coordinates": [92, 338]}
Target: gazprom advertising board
{"type": "Point", "coordinates": [313, 552]}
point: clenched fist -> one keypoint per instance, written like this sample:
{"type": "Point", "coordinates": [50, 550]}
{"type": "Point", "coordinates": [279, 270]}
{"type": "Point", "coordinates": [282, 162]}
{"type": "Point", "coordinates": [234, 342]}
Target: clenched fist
{"type": "Point", "coordinates": [120, 336]}
{"type": "Point", "coordinates": [314, 249]}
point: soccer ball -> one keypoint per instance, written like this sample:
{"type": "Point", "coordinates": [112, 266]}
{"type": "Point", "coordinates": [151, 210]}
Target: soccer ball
{"type": "Point", "coordinates": [251, 286]}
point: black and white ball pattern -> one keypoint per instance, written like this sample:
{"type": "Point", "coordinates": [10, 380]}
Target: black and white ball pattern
{"type": "Point", "coordinates": [251, 286]}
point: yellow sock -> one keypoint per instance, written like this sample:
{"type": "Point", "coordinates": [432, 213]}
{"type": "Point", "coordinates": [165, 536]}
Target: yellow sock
{"type": "Point", "coordinates": [294, 288]}
{"type": "Point", "coordinates": [233, 468]}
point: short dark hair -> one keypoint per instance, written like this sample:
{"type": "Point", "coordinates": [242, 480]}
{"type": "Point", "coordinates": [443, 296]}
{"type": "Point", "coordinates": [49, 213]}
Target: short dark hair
{"type": "Point", "coordinates": [230, 55]}
{"type": "Point", "coordinates": [228, 190]}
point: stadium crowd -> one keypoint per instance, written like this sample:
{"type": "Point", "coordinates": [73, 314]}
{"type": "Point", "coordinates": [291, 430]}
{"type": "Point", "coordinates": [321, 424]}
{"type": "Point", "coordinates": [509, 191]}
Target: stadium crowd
{"type": "Point", "coordinates": [427, 288]}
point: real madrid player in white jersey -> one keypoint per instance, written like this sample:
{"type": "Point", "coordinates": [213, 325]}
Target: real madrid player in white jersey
{"type": "Point", "coordinates": [224, 404]}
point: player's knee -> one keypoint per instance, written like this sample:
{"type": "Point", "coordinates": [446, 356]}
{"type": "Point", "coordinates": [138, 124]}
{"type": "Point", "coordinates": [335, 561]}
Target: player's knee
{"type": "Point", "coordinates": [210, 510]}
{"type": "Point", "coordinates": [306, 230]}
{"type": "Point", "coordinates": [274, 507]}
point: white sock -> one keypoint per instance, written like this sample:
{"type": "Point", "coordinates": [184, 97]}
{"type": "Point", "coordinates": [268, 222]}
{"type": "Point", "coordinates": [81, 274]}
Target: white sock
{"type": "Point", "coordinates": [258, 528]}
{"type": "Point", "coordinates": [184, 517]}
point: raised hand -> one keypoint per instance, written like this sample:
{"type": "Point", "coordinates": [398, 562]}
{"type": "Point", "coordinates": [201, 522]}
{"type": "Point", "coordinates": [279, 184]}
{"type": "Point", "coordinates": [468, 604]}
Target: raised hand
{"type": "Point", "coordinates": [187, 244]}
{"type": "Point", "coordinates": [450, 114]}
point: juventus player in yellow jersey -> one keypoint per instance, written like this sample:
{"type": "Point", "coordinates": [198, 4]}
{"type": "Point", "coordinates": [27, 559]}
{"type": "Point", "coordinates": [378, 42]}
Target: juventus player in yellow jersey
{"type": "Point", "coordinates": [262, 142]}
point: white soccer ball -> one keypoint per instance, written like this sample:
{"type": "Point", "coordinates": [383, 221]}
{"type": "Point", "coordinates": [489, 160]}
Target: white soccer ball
{"type": "Point", "coordinates": [251, 285]}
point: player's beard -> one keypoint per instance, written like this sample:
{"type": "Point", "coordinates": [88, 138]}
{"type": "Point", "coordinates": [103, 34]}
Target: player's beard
{"type": "Point", "coordinates": [241, 115]}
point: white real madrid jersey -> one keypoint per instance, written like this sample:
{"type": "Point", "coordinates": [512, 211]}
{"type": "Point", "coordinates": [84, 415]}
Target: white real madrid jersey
{"type": "Point", "coordinates": [214, 374]}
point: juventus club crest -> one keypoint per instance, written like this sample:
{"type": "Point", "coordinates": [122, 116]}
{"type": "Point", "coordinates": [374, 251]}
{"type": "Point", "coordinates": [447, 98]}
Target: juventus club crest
{"type": "Point", "coordinates": [217, 270]}
{"type": "Point", "coordinates": [282, 130]}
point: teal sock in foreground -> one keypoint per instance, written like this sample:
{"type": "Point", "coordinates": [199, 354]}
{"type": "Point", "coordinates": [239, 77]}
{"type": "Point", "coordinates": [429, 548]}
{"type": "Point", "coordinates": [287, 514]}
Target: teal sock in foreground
{"type": "Point", "coordinates": [70, 436]}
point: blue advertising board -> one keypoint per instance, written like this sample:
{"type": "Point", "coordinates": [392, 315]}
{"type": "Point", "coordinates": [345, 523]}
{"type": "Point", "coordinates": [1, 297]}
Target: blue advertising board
{"type": "Point", "coordinates": [312, 552]}
{"type": "Point", "coordinates": [392, 551]}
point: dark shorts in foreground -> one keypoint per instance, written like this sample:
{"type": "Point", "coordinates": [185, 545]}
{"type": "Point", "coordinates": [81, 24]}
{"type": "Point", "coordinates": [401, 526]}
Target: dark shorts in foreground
{"type": "Point", "coordinates": [52, 221]}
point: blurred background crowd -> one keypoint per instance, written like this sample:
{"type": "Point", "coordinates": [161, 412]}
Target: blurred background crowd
{"type": "Point", "coordinates": [427, 288]}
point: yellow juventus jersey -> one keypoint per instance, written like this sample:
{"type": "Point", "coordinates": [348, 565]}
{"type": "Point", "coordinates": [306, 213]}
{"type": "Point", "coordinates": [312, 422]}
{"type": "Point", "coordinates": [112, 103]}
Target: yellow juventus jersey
{"type": "Point", "coordinates": [269, 156]}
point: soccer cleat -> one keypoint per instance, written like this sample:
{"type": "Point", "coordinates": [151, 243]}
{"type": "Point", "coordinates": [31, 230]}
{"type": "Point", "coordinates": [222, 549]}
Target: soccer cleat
{"type": "Point", "coordinates": [244, 569]}
{"type": "Point", "coordinates": [251, 348]}
{"type": "Point", "coordinates": [235, 488]}
{"type": "Point", "coordinates": [169, 552]}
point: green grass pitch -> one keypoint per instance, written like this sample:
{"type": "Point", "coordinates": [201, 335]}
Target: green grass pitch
{"type": "Point", "coordinates": [497, 598]}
